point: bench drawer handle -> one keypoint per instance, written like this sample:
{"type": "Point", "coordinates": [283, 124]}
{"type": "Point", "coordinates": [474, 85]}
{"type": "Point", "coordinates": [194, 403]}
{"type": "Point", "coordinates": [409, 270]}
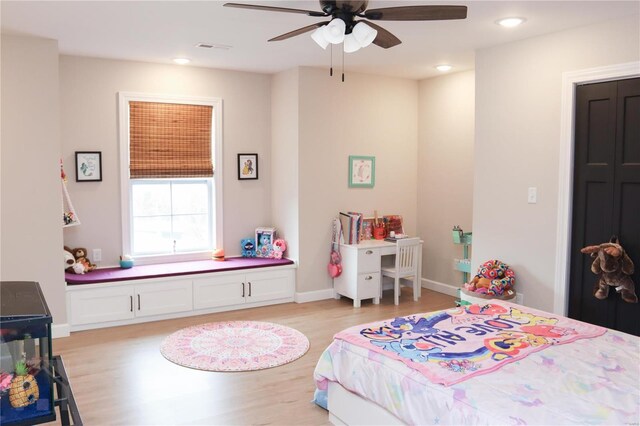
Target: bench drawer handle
{"type": "Point", "coordinates": [369, 252]}
{"type": "Point", "coordinates": [242, 289]}
{"type": "Point", "coordinates": [131, 300]}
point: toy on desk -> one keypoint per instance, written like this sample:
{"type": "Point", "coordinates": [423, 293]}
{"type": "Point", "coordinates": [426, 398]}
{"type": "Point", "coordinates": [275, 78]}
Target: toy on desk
{"type": "Point", "coordinates": [248, 246]}
{"type": "Point", "coordinates": [264, 241]}
{"type": "Point", "coordinates": [494, 278]}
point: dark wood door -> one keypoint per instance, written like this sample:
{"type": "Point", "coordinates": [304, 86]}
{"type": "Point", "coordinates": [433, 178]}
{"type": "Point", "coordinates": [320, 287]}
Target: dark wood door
{"type": "Point", "coordinates": [606, 195]}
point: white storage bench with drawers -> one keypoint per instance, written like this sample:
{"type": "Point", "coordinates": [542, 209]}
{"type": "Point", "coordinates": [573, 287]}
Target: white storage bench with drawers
{"type": "Point", "coordinates": [114, 296]}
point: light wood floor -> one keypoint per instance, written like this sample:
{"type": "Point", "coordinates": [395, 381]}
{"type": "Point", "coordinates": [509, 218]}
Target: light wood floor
{"type": "Point", "coordinates": [119, 376]}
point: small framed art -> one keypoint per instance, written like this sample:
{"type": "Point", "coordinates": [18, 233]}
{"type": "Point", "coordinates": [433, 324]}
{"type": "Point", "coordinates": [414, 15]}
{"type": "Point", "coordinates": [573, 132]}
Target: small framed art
{"type": "Point", "coordinates": [247, 166]}
{"type": "Point", "coordinates": [88, 166]}
{"type": "Point", "coordinates": [362, 171]}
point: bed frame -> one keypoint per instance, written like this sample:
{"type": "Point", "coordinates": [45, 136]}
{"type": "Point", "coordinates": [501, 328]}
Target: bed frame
{"type": "Point", "coordinates": [347, 408]}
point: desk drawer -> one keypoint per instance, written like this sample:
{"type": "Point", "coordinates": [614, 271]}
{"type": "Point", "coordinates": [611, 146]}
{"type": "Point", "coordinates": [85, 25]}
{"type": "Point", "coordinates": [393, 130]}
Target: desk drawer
{"type": "Point", "coordinates": [368, 260]}
{"type": "Point", "coordinates": [368, 285]}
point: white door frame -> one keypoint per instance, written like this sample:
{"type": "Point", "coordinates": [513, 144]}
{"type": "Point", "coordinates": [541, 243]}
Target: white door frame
{"type": "Point", "coordinates": [570, 80]}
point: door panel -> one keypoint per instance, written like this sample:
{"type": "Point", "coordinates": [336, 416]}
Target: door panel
{"type": "Point", "coordinates": [225, 290]}
{"type": "Point", "coordinates": [606, 197]}
{"type": "Point", "coordinates": [163, 298]}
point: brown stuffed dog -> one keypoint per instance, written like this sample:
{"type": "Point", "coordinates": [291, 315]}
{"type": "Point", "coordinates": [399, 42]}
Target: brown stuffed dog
{"type": "Point", "coordinates": [613, 267]}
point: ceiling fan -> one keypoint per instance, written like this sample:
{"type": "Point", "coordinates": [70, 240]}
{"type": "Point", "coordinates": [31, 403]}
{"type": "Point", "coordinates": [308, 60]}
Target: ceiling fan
{"type": "Point", "coordinates": [343, 26]}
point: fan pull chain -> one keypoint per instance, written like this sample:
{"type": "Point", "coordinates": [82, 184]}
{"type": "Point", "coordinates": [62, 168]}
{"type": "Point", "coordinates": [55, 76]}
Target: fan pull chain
{"type": "Point", "coordinates": [331, 68]}
{"type": "Point", "coordinates": [343, 64]}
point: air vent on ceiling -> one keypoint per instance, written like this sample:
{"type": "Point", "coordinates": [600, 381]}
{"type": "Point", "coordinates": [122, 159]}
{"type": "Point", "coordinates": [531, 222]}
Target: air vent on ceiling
{"type": "Point", "coordinates": [213, 46]}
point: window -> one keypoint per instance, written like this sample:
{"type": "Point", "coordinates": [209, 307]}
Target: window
{"type": "Point", "coordinates": [171, 181]}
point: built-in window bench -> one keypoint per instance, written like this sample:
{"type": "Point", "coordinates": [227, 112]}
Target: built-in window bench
{"type": "Point", "coordinates": [113, 296]}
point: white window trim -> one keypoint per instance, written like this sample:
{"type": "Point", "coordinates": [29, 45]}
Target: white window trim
{"type": "Point", "coordinates": [123, 111]}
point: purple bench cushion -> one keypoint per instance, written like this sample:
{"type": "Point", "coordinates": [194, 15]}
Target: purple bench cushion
{"type": "Point", "coordinates": [106, 275]}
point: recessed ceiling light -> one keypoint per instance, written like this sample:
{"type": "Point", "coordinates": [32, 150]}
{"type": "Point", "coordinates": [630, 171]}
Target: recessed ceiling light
{"type": "Point", "coordinates": [510, 22]}
{"type": "Point", "coordinates": [443, 67]}
{"type": "Point", "coordinates": [181, 61]}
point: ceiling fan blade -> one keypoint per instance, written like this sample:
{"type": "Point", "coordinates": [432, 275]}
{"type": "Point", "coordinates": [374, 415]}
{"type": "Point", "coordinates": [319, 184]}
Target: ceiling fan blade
{"type": "Point", "coordinates": [417, 13]}
{"type": "Point", "coordinates": [299, 31]}
{"type": "Point", "coordinates": [275, 9]}
{"type": "Point", "coordinates": [384, 38]}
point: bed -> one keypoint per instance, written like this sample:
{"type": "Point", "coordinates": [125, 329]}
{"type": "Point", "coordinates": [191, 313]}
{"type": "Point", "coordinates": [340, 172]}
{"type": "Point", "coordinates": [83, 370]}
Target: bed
{"type": "Point", "coordinates": [590, 379]}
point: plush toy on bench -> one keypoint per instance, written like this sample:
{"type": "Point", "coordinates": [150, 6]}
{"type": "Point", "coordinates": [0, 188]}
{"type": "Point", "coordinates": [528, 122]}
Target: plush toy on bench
{"type": "Point", "coordinates": [81, 263]}
{"type": "Point", "coordinates": [70, 264]}
{"type": "Point", "coordinates": [248, 247]}
{"type": "Point", "coordinates": [264, 241]}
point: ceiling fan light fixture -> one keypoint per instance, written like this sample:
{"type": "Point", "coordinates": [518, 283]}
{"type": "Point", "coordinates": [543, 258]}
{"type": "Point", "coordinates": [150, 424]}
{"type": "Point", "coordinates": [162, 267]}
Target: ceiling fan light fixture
{"type": "Point", "coordinates": [364, 34]}
{"type": "Point", "coordinates": [350, 43]}
{"type": "Point", "coordinates": [318, 37]}
{"type": "Point", "coordinates": [444, 67]}
{"type": "Point", "coordinates": [510, 22]}
{"type": "Point", "coordinates": [334, 31]}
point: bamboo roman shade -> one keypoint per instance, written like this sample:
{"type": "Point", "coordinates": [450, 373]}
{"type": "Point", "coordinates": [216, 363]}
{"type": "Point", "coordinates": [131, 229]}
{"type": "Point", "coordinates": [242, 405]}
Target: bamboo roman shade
{"type": "Point", "coordinates": [169, 140]}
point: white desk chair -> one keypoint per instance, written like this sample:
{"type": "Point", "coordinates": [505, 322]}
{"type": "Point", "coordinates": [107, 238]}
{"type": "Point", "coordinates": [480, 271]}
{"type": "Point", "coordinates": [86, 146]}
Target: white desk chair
{"type": "Point", "coordinates": [406, 265]}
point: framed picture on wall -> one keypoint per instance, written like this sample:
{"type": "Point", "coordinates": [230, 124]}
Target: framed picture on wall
{"type": "Point", "coordinates": [88, 166]}
{"type": "Point", "coordinates": [247, 166]}
{"type": "Point", "coordinates": [362, 171]}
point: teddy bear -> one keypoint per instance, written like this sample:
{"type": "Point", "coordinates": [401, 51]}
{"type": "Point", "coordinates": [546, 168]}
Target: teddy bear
{"type": "Point", "coordinates": [80, 254]}
{"type": "Point", "coordinates": [613, 267]}
{"type": "Point", "coordinates": [70, 264]}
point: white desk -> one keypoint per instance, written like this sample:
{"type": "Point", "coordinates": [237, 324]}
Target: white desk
{"type": "Point", "coordinates": [361, 263]}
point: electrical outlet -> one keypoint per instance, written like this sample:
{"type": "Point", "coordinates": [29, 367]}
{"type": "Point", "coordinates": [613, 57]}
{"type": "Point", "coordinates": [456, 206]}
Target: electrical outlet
{"type": "Point", "coordinates": [97, 255]}
{"type": "Point", "coordinates": [532, 195]}
{"type": "Point", "coordinates": [520, 298]}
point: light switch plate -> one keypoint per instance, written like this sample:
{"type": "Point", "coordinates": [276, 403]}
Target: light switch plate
{"type": "Point", "coordinates": [532, 195]}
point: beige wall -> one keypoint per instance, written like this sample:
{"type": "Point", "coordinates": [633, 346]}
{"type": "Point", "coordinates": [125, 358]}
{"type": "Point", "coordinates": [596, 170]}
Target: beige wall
{"type": "Point", "coordinates": [31, 202]}
{"type": "Point", "coordinates": [365, 115]}
{"type": "Point", "coordinates": [445, 172]}
{"type": "Point", "coordinates": [284, 158]}
{"type": "Point", "coordinates": [518, 95]}
{"type": "Point", "coordinates": [89, 121]}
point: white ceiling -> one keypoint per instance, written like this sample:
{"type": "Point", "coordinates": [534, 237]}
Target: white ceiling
{"type": "Point", "coordinates": [155, 31]}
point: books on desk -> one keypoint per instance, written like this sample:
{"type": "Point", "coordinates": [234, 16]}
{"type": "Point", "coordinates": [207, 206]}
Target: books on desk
{"type": "Point", "coordinates": [351, 227]}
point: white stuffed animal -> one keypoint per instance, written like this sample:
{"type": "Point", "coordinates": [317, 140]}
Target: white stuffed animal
{"type": "Point", "coordinates": [70, 263]}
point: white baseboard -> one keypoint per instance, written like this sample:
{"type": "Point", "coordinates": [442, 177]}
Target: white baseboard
{"type": "Point", "coordinates": [449, 289]}
{"type": "Point", "coordinates": [312, 296]}
{"type": "Point", "coordinates": [60, 330]}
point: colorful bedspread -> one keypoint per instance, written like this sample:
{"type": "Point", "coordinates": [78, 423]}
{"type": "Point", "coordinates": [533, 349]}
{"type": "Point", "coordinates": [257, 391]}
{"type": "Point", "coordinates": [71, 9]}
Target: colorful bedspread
{"type": "Point", "coordinates": [453, 345]}
{"type": "Point", "coordinates": [589, 381]}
